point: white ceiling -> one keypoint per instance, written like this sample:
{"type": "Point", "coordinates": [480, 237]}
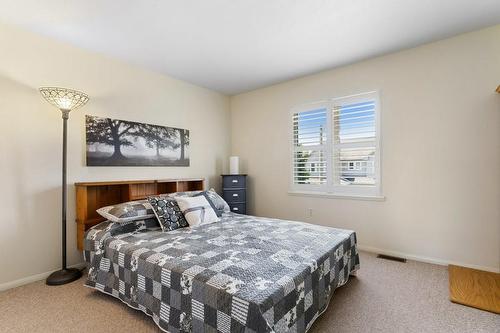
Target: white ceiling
{"type": "Point", "coordinates": [234, 46]}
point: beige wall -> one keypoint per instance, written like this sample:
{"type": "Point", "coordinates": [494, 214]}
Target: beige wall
{"type": "Point", "coordinates": [440, 150]}
{"type": "Point", "coordinates": [31, 133]}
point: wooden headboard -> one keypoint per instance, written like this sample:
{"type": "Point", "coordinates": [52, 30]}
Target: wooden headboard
{"type": "Point", "coordinates": [91, 196]}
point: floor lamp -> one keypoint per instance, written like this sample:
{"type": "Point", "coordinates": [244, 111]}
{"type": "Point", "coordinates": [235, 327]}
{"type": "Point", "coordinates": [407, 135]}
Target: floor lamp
{"type": "Point", "coordinates": [65, 100]}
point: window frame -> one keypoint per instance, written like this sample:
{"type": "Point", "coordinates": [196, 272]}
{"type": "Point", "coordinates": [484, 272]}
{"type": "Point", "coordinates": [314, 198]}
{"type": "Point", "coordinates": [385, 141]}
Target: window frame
{"type": "Point", "coordinates": [330, 188]}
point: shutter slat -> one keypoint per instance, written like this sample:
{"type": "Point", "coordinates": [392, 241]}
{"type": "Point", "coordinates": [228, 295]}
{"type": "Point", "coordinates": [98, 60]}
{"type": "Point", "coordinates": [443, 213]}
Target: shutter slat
{"type": "Point", "coordinates": [349, 119]}
{"type": "Point", "coordinates": [350, 107]}
{"type": "Point", "coordinates": [357, 124]}
{"type": "Point", "coordinates": [338, 111]}
{"type": "Point", "coordinates": [315, 119]}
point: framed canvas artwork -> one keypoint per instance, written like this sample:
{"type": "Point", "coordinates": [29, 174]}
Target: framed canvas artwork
{"type": "Point", "coordinates": [113, 142]}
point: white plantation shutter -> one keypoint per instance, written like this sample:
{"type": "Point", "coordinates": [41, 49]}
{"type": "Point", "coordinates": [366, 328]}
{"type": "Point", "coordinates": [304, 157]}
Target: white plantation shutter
{"type": "Point", "coordinates": [355, 145]}
{"type": "Point", "coordinates": [309, 156]}
{"type": "Point", "coordinates": [336, 147]}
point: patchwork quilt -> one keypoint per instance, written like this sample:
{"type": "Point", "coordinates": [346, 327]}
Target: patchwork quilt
{"type": "Point", "coordinates": [243, 274]}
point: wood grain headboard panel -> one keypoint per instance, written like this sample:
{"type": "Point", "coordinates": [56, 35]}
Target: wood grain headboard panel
{"type": "Point", "coordinates": [91, 196]}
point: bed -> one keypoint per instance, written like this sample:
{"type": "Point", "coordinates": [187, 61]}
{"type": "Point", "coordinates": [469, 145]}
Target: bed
{"type": "Point", "coordinates": [242, 274]}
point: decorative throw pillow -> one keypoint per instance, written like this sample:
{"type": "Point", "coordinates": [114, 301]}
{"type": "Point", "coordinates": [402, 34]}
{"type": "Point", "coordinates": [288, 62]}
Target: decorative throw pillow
{"type": "Point", "coordinates": [197, 210]}
{"type": "Point", "coordinates": [168, 213]}
{"type": "Point", "coordinates": [127, 211]}
{"type": "Point", "coordinates": [215, 200]}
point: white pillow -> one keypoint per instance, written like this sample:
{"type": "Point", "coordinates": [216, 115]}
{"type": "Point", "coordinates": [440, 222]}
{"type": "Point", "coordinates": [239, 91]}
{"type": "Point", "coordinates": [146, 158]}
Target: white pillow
{"type": "Point", "coordinates": [197, 210]}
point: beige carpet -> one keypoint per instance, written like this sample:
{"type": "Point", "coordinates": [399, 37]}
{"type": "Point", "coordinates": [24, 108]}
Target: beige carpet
{"type": "Point", "coordinates": [386, 296]}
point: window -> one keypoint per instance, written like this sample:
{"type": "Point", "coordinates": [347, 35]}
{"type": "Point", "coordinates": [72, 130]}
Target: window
{"type": "Point", "coordinates": [336, 146]}
{"type": "Point", "coordinates": [310, 147]}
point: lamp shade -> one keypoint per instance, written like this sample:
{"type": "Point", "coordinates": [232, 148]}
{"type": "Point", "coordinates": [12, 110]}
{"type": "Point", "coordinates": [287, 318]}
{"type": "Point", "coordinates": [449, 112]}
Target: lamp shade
{"type": "Point", "coordinates": [64, 99]}
{"type": "Point", "coordinates": [234, 165]}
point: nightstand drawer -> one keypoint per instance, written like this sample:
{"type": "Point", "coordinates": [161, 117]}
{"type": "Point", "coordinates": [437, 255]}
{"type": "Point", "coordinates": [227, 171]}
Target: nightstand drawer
{"type": "Point", "coordinates": [235, 181]}
{"type": "Point", "coordinates": [239, 208]}
{"type": "Point", "coordinates": [234, 195]}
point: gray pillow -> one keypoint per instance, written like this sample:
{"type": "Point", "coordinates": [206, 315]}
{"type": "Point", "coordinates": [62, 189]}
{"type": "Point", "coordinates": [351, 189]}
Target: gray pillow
{"type": "Point", "coordinates": [182, 194]}
{"type": "Point", "coordinates": [168, 213]}
{"type": "Point", "coordinates": [127, 211]}
{"type": "Point", "coordinates": [218, 204]}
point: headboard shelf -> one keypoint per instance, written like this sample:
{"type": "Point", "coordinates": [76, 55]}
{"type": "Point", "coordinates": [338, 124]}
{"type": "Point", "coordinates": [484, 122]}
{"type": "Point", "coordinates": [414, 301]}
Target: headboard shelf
{"type": "Point", "coordinates": [91, 196]}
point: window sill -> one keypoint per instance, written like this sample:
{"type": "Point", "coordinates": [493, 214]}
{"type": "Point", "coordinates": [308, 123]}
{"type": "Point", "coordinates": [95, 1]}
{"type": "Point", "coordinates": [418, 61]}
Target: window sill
{"type": "Point", "coordinates": [337, 196]}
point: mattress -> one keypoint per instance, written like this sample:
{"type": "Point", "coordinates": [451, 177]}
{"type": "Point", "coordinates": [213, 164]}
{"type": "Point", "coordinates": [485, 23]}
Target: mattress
{"type": "Point", "coordinates": [243, 274]}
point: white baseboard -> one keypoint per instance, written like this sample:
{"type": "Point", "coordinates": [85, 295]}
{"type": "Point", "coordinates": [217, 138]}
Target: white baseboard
{"type": "Point", "coordinates": [32, 278]}
{"type": "Point", "coordinates": [428, 260]}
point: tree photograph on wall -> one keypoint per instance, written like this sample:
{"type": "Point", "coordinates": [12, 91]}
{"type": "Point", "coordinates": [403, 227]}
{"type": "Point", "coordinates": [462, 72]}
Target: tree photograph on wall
{"type": "Point", "coordinates": [113, 142]}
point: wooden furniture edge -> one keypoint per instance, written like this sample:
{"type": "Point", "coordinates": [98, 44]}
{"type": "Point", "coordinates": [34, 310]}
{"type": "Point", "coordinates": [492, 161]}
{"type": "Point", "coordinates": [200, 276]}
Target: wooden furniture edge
{"type": "Point", "coordinates": [455, 287]}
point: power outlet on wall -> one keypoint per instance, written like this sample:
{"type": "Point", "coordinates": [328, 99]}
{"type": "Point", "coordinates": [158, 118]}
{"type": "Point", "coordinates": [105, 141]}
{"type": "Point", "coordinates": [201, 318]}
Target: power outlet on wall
{"type": "Point", "coordinates": [309, 212]}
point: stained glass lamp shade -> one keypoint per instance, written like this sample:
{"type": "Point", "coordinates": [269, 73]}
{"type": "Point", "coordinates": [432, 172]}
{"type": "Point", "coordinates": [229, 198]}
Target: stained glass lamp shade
{"type": "Point", "coordinates": [64, 99]}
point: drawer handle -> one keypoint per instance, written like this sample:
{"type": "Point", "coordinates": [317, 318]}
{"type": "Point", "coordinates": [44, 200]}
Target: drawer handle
{"type": "Point", "coordinates": [235, 180]}
{"type": "Point", "coordinates": [235, 208]}
{"type": "Point", "coordinates": [235, 194]}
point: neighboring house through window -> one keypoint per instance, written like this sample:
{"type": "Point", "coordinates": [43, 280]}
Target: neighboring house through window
{"type": "Point", "coordinates": [336, 146]}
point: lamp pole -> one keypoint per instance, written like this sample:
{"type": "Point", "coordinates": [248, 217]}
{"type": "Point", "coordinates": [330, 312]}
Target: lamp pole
{"type": "Point", "coordinates": [65, 117]}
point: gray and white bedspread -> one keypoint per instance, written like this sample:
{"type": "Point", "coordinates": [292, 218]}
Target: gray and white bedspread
{"type": "Point", "coordinates": [244, 274]}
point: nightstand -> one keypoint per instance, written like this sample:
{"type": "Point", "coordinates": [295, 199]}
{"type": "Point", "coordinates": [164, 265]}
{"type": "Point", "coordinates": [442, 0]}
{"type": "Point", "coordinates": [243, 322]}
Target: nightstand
{"type": "Point", "coordinates": [234, 191]}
